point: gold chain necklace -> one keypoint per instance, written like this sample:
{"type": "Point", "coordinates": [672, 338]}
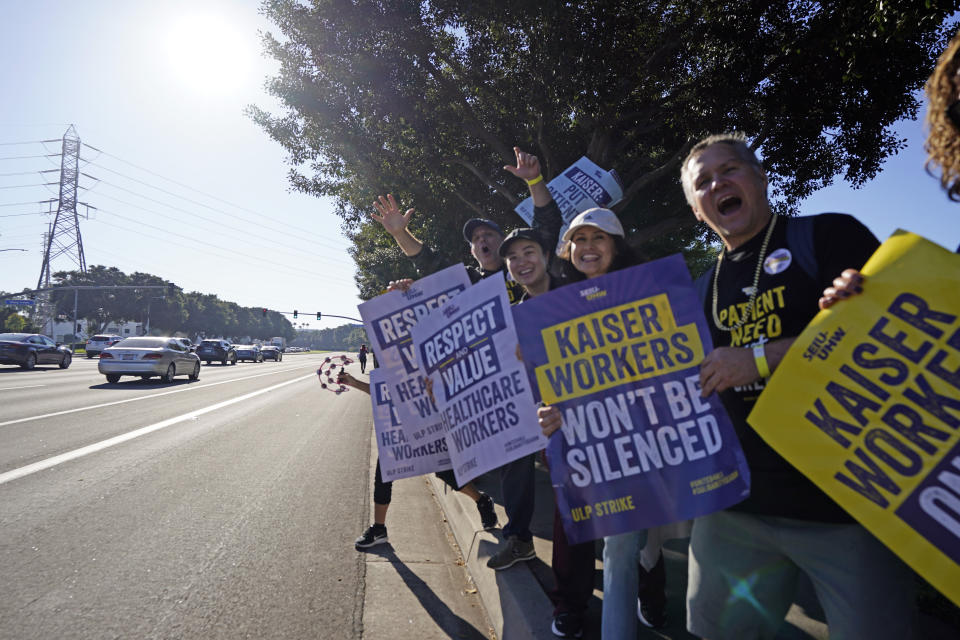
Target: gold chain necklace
{"type": "Point", "coordinates": [756, 281]}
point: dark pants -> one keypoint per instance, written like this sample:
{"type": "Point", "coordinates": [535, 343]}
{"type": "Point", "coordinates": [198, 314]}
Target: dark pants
{"type": "Point", "coordinates": [573, 571]}
{"type": "Point", "coordinates": [653, 585]}
{"type": "Point", "coordinates": [363, 364]}
{"type": "Point", "coordinates": [383, 491]}
{"type": "Point", "coordinates": [517, 487]}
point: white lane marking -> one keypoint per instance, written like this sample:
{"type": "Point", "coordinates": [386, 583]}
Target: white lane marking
{"type": "Point", "coordinates": [29, 386]}
{"type": "Point", "coordinates": [153, 395]}
{"type": "Point", "coordinates": [110, 442]}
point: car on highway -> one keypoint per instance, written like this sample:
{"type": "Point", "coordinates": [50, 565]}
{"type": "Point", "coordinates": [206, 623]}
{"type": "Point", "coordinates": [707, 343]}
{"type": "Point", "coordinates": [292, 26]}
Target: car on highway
{"type": "Point", "coordinates": [98, 343]}
{"type": "Point", "coordinates": [249, 352]}
{"type": "Point", "coordinates": [271, 352]}
{"type": "Point", "coordinates": [148, 357]}
{"type": "Point", "coordinates": [187, 343]}
{"type": "Point", "coordinates": [30, 349]}
{"type": "Point", "coordinates": [221, 350]}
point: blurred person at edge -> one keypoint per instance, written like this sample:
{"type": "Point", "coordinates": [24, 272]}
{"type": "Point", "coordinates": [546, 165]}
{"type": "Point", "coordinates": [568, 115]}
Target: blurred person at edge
{"type": "Point", "coordinates": [942, 147]}
{"type": "Point", "coordinates": [943, 119]}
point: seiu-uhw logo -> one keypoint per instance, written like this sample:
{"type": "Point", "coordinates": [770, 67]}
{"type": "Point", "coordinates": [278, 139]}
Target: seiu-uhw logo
{"type": "Point", "coordinates": [591, 293]}
{"type": "Point", "coordinates": [823, 344]}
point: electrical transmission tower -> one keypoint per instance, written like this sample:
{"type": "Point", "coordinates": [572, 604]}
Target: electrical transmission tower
{"type": "Point", "coordinates": [64, 237]}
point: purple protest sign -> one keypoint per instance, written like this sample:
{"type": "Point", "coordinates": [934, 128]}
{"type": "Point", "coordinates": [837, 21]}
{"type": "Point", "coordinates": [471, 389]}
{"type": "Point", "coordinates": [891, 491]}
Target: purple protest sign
{"type": "Point", "coordinates": [618, 355]}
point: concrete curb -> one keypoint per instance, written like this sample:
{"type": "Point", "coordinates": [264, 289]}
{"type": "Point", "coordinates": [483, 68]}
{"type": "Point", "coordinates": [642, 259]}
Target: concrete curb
{"type": "Point", "coordinates": [515, 602]}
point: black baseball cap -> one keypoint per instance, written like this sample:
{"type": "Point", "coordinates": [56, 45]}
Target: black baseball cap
{"type": "Point", "coordinates": [473, 223]}
{"type": "Point", "coordinates": [522, 233]}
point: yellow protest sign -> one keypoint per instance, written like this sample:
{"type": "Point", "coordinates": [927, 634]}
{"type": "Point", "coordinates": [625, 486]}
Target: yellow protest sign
{"type": "Point", "coordinates": [867, 405]}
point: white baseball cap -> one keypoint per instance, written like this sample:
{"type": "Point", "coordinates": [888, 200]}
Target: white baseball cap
{"type": "Point", "coordinates": [603, 219]}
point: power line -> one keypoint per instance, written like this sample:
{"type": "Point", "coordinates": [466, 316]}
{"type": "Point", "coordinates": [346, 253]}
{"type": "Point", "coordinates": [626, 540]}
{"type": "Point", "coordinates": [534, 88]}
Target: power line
{"type": "Point", "coordinates": [246, 256]}
{"type": "Point", "coordinates": [24, 186]}
{"type": "Point", "coordinates": [320, 238]}
{"type": "Point", "coordinates": [17, 215]}
{"type": "Point", "coordinates": [10, 144]}
{"type": "Point", "coordinates": [185, 186]}
{"type": "Point", "coordinates": [46, 155]}
{"type": "Point", "coordinates": [239, 232]}
{"type": "Point", "coordinates": [17, 204]}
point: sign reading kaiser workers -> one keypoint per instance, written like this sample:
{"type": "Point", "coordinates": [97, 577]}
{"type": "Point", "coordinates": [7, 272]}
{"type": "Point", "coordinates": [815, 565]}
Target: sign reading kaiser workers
{"type": "Point", "coordinates": [619, 357]}
{"type": "Point", "coordinates": [399, 458]}
{"type": "Point", "coordinates": [867, 405]}
{"type": "Point", "coordinates": [387, 320]}
{"type": "Point", "coordinates": [581, 186]}
{"type": "Point", "coordinates": [468, 347]}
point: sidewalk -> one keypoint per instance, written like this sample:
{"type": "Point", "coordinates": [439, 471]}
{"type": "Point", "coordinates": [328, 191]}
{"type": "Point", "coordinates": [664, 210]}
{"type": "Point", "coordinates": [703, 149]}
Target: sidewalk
{"type": "Point", "coordinates": [516, 599]}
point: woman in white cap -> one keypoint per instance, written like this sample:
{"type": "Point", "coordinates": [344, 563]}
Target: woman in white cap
{"type": "Point", "coordinates": [594, 245]}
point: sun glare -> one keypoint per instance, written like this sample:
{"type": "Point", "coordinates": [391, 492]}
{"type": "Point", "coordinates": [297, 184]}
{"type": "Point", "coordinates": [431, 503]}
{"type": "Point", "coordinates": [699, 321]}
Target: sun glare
{"type": "Point", "coordinates": [209, 55]}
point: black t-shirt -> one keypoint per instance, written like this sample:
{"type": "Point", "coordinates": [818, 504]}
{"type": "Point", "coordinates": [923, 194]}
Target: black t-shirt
{"type": "Point", "coordinates": [784, 305]}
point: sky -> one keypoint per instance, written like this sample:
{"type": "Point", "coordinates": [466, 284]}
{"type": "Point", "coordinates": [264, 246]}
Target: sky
{"type": "Point", "coordinates": [183, 185]}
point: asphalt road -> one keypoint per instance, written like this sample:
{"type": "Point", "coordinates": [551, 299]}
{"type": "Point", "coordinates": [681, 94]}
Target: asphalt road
{"type": "Point", "coordinates": [221, 508]}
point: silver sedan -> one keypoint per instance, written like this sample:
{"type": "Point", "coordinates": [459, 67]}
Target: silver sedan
{"type": "Point", "coordinates": [147, 357]}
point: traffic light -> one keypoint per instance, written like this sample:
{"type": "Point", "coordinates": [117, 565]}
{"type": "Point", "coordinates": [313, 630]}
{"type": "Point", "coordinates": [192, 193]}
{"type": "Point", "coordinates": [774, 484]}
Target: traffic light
{"type": "Point", "coordinates": [294, 314]}
{"type": "Point", "coordinates": [318, 315]}
{"type": "Point", "coordinates": [264, 313]}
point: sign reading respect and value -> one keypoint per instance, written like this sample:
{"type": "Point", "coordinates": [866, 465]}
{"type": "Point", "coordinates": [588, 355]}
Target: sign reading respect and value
{"type": "Point", "coordinates": [468, 347]}
{"type": "Point", "coordinates": [387, 320]}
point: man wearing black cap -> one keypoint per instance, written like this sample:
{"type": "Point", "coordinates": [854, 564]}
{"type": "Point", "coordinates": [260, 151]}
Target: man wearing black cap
{"type": "Point", "coordinates": [483, 235]}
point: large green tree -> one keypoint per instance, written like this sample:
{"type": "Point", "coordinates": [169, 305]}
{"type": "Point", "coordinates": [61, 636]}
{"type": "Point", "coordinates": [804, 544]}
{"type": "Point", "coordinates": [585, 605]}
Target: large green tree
{"type": "Point", "coordinates": [426, 99]}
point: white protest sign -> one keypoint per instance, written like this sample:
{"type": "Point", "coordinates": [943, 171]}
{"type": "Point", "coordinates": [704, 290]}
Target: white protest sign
{"type": "Point", "coordinates": [388, 320]}
{"type": "Point", "coordinates": [400, 458]}
{"type": "Point", "coordinates": [468, 348]}
{"type": "Point", "coordinates": [583, 185]}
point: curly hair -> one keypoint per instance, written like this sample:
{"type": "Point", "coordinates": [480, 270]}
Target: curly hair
{"type": "Point", "coordinates": [943, 138]}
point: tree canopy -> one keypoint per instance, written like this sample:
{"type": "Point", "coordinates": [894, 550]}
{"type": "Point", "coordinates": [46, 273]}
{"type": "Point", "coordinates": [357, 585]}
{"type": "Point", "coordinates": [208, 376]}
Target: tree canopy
{"type": "Point", "coordinates": [427, 99]}
{"type": "Point", "coordinates": [171, 310]}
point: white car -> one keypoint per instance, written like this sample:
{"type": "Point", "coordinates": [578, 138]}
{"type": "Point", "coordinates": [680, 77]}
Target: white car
{"type": "Point", "coordinates": [147, 357]}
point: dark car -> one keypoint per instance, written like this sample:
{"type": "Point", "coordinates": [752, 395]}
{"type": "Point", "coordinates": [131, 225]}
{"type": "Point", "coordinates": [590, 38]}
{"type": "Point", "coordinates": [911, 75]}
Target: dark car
{"type": "Point", "coordinates": [30, 349]}
{"type": "Point", "coordinates": [249, 352]}
{"type": "Point", "coordinates": [98, 343]}
{"type": "Point", "coordinates": [272, 352]}
{"type": "Point", "coordinates": [210, 350]}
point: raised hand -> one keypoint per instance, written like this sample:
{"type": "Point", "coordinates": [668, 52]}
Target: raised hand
{"type": "Point", "coordinates": [389, 214]}
{"type": "Point", "coordinates": [528, 166]}
{"type": "Point", "coordinates": [400, 285]}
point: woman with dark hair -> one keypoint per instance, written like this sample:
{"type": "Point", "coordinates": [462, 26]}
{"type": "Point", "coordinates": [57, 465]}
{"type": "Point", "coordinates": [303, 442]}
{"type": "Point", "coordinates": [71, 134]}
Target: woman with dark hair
{"type": "Point", "coordinates": [594, 245]}
{"type": "Point", "coordinates": [604, 224]}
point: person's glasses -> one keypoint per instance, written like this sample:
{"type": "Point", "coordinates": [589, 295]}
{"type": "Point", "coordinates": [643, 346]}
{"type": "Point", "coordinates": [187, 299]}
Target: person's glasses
{"type": "Point", "coordinates": [953, 114]}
